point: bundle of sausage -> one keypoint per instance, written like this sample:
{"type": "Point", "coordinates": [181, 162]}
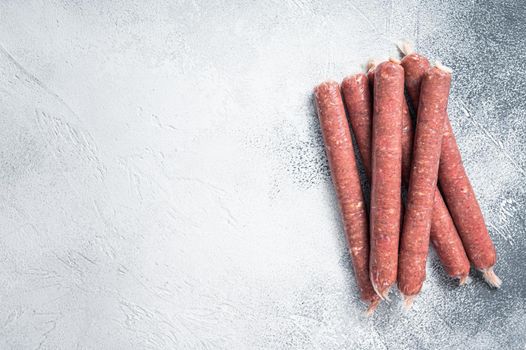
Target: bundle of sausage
{"type": "Point", "coordinates": [389, 244]}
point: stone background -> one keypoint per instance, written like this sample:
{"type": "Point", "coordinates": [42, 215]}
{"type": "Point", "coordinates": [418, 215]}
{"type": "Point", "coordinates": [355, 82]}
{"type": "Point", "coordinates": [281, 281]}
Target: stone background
{"type": "Point", "coordinates": [164, 185]}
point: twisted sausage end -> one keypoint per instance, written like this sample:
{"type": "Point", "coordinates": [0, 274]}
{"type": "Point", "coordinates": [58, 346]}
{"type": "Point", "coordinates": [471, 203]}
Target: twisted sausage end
{"type": "Point", "coordinates": [491, 278]}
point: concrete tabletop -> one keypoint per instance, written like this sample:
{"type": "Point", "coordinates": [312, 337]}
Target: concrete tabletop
{"type": "Point", "coordinates": [163, 182]}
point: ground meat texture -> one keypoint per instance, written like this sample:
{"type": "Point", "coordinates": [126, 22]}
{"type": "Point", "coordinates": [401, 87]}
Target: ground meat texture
{"type": "Point", "coordinates": [357, 90]}
{"type": "Point", "coordinates": [415, 66]}
{"type": "Point", "coordinates": [386, 175]}
{"type": "Point", "coordinates": [358, 101]}
{"type": "Point", "coordinates": [464, 208]}
{"type": "Point", "coordinates": [344, 173]}
{"type": "Point", "coordinates": [446, 241]}
{"type": "Point", "coordinates": [407, 133]}
{"type": "Point", "coordinates": [444, 235]}
{"type": "Point", "coordinates": [414, 241]}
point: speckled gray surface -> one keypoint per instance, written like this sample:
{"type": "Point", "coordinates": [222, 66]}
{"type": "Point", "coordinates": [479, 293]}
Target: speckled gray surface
{"type": "Point", "coordinates": [164, 183]}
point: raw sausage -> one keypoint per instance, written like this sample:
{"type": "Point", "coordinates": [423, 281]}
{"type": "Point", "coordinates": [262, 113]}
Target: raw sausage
{"type": "Point", "coordinates": [357, 90]}
{"type": "Point", "coordinates": [444, 235]}
{"type": "Point", "coordinates": [415, 66]}
{"type": "Point", "coordinates": [457, 191]}
{"type": "Point", "coordinates": [414, 240]}
{"type": "Point", "coordinates": [386, 175]}
{"type": "Point", "coordinates": [357, 96]}
{"type": "Point", "coordinates": [446, 241]}
{"type": "Point", "coordinates": [344, 173]}
{"type": "Point", "coordinates": [407, 128]}
{"type": "Point", "coordinates": [464, 208]}
{"type": "Point", "coordinates": [407, 132]}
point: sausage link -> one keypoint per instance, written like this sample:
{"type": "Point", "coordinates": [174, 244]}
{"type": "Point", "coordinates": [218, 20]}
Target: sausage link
{"type": "Point", "coordinates": [415, 66]}
{"type": "Point", "coordinates": [357, 96]}
{"type": "Point", "coordinates": [446, 241]}
{"type": "Point", "coordinates": [407, 131]}
{"type": "Point", "coordinates": [407, 134]}
{"type": "Point", "coordinates": [344, 173]}
{"type": "Point", "coordinates": [414, 241]}
{"type": "Point", "coordinates": [386, 175]}
{"type": "Point", "coordinates": [444, 235]}
{"type": "Point", "coordinates": [464, 208]}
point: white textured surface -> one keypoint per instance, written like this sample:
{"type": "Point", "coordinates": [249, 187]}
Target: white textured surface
{"type": "Point", "coordinates": [163, 181]}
